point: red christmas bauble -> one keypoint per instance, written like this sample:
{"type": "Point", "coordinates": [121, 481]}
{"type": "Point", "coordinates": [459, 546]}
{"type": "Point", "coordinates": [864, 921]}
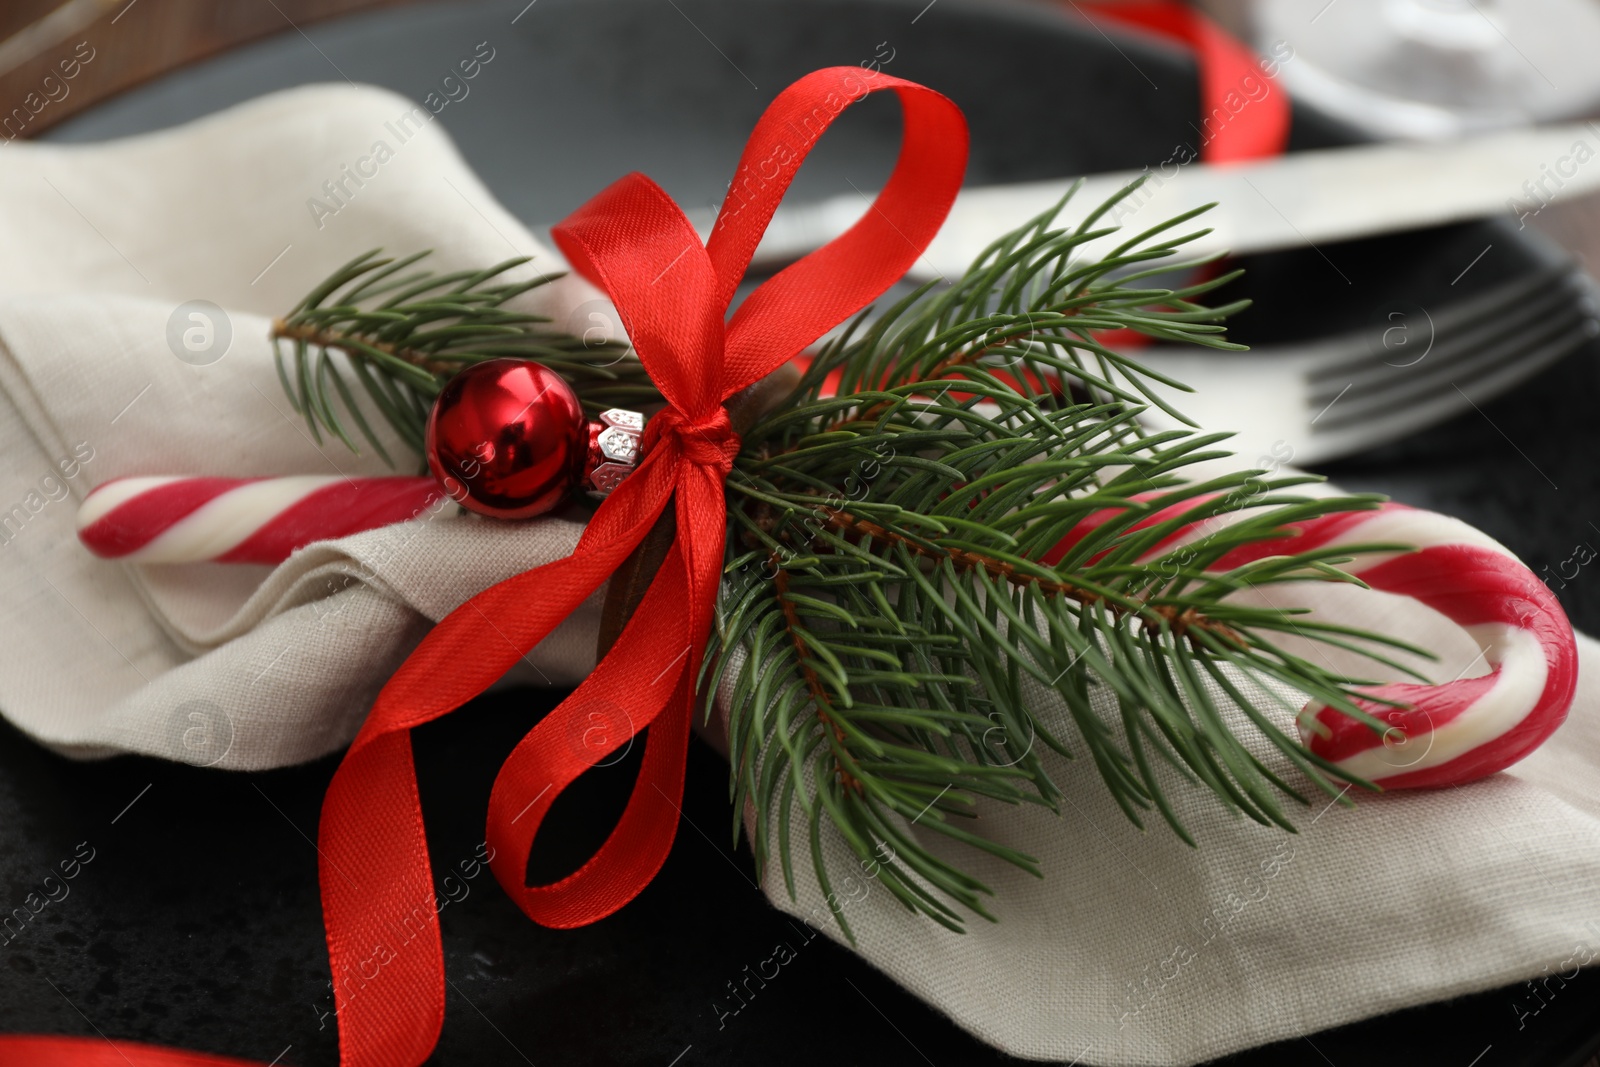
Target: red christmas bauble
{"type": "Point", "coordinates": [507, 438]}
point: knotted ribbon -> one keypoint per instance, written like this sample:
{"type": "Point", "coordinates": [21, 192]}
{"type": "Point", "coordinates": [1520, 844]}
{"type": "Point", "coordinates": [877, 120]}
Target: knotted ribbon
{"type": "Point", "coordinates": [672, 294]}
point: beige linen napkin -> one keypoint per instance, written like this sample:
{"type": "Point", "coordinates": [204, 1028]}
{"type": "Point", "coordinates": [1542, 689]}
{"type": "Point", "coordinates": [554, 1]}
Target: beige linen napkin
{"type": "Point", "coordinates": [1134, 949]}
{"type": "Point", "coordinates": [107, 246]}
{"type": "Point", "coordinates": [1137, 949]}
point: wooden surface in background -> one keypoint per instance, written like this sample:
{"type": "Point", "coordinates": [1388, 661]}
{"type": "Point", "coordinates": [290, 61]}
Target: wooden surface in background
{"type": "Point", "coordinates": [130, 42]}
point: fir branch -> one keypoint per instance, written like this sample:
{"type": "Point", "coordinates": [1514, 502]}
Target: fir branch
{"type": "Point", "coordinates": [890, 619]}
{"type": "Point", "coordinates": [404, 335]}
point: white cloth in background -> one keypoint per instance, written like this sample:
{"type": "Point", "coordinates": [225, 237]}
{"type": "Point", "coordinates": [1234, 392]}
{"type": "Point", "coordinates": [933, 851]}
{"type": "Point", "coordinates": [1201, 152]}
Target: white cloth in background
{"type": "Point", "coordinates": [1134, 949]}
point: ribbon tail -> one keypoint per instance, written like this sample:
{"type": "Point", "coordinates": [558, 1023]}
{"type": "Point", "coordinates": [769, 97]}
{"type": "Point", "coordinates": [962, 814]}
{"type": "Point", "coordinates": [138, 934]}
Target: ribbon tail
{"type": "Point", "coordinates": [377, 884]}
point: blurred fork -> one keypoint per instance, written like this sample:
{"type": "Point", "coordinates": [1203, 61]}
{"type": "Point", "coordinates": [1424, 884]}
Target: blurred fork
{"type": "Point", "coordinates": [1343, 394]}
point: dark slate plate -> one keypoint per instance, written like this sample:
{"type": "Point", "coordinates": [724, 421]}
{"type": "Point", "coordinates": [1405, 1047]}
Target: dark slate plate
{"type": "Point", "coordinates": [197, 924]}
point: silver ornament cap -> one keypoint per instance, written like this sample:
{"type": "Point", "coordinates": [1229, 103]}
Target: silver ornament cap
{"type": "Point", "coordinates": [614, 441]}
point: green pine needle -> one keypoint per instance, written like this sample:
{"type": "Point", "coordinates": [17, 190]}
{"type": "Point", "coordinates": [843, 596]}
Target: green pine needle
{"type": "Point", "coordinates": [888, 608]}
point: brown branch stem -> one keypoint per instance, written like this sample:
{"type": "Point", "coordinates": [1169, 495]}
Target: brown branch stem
{"type": "Point", "coordinates": [791, 620]}
{"type": "Point", "coordinates": [286, 331]}
{"type": "Point", "coordinates": [1180, 621]}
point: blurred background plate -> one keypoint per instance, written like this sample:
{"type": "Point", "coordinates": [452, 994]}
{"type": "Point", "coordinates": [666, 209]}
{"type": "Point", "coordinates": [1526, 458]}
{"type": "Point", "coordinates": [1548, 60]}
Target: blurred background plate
{"type": "Point", "coordinates": [212, 937]}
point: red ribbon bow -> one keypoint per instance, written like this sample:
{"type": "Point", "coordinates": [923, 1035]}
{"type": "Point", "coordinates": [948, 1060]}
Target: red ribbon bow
{"type": "Point", "coordinates": [672, 294]}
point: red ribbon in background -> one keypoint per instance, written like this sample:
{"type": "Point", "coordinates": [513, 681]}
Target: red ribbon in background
{"type": "Point", "coordinates": [1260, 126]}
{"type": "Point", "coordinates": [1227, 69]}
{"type": "Point", "coordinates": [1257, 127]}
{"type": "Point", "coordinates": [672, 294]}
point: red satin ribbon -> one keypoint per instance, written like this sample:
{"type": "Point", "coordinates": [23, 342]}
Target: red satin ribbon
{"type": "Point", "coordinates": [672, 294]}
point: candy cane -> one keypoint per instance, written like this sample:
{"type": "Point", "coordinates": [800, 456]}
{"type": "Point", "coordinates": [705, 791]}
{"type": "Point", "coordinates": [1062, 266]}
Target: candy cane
{"type": "Point", "coordinates": [264, 520]}
{"type": "Point", "coordinates": [242, 520]}
{"type": "Point", "coordinates": [1453, 732]}
{"type": "Point", "coordinates": [1459, 731]}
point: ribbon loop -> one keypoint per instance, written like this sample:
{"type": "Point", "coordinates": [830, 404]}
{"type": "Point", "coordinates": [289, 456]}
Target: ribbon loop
{"type": "Point", "coordinates": [635, 243]}
{"type": "Point", "coordinates": [807, 299]}
{"type": "Point", "coordinates": [633, 688]}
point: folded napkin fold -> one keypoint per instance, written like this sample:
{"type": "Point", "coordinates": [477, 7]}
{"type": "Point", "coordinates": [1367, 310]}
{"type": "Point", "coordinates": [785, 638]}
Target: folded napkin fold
{"type": "Point", "coordinates": [1134, 949]}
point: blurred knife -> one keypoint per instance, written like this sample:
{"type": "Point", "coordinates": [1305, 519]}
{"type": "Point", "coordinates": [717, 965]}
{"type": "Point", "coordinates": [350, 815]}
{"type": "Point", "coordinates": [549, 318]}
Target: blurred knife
{"type": "Point", "coordinates": [1294, 200]}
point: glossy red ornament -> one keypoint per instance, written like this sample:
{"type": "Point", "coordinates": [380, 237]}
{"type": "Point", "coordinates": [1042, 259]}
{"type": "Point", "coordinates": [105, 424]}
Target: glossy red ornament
{"type": "Point", "coordinates": [507, 438]}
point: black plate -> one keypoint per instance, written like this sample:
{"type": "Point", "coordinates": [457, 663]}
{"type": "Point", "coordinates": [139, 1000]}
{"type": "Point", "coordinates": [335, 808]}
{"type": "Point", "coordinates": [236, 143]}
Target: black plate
{"type": "Point", "coordinates": [197, 923]}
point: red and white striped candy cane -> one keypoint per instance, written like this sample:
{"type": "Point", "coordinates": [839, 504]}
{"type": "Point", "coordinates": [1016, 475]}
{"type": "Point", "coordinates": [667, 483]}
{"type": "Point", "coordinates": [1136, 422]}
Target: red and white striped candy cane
{"type": "Point", "coordinates": [242, 520]}
{"type": "Point", "coordinates": [1456, 731]}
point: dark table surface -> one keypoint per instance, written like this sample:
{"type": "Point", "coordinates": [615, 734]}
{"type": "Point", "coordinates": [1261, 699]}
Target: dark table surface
{"type": "Point", "coordinates": [197, 923]}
